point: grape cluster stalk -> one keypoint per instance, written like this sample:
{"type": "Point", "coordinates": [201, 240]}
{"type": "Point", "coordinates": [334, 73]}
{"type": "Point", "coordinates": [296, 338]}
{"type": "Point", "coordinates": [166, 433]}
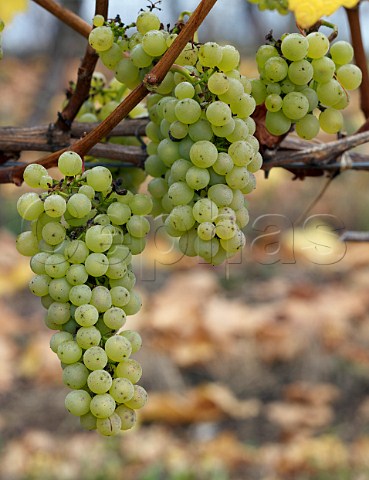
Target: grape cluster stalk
{"type": "Point", "coordinates": [83, 231]}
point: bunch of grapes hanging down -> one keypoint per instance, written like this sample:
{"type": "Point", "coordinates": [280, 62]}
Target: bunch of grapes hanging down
{"type": "Point", "coordinates": [281, 6]}
{"type": "Point", "coordinates": [202, 152]}
{"type": "Point", "coordinates": [83, 232]}
{"type": "Point", "coordinates": [304, 81]}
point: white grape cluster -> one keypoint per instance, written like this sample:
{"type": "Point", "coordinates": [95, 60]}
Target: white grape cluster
{"type": "Point", "coordinates": [202, 152]}
{"type": "Point", "coordinates": [82, 236]}
{"type": "Point", "coordinates": [280, 5]}
{"type": "Point", "coordinates": [305, 81]}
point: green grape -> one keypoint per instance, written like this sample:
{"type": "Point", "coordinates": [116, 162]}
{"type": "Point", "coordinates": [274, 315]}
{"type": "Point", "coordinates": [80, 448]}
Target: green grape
{"type": "Point", "coordinates": [263, 54]}
{"type": "Point", "coordinates": [122, 389]}
{"type": "Point", "coordinates": [206, 230]}
{"type": "Point", "coordinates": [99, 381]}
{"type": "Point", "coordinates": [273, 102]}
{"type": "Point", "coordinates": [184, 90]}
{"type": "Point", "coordinates": [53, 233]}
{"type": "Point", "coordinates": [109, 426]}
{"type": "Point", "coordinates": [80, 295]}
{"type": "Point", "coordinates": [258, 91]}
{"type": "Point", "coordinates": [101, 298]}
{"type": "Point", "coordinates": [277, 123]}
{"type": "Point", "coordinates": [76, 251]}
{"type": "Point", "coordinates": [88, 337]}
{"type": "Point", "coordinates": [147, 21]}
{"type": "Point", "coordinates": [58, 338]}
{"type": "Point", "coordinates": [210, 54]}
{"type": "Point", "coordinates": [276, 69]}
{"type": "Point", "coordinates": [218, 113]}
{"type": "Point", "coordinates": [114, 318]}
{"type": "Point", "coordinates": [197, 178]}
{"type": "Point", "coordinates": [341, 52]}
{"type": "Point", "coordinates": [153, 43]}
{"type": "Point", "coordinates": [241, 153]}
{"type": "Point", "coordinates": [203, 154]}
{"type": "Point", "coordinates": [331, 120]}
{"type": "Point", "coordinates": [349, 76]}
{"type": "Point", "coordinates": [30, 206]}
{"type": "Point", "coordinates": [55, 206]}
{"type": "Point", "coordinates": [70, 163]}
{"type": "Point", "coordinates": [69, 352]}
{"type": "Point", "coordinates": [75, 375]}
{"type": "Point", "coordinates": [77, 402]}
{"type": "Point", "coordinates": [295, 105]}
{"type": "Point", "coordinates": [307, 127]}
{"type": "Point", "coordinates": [76, 274]}
{"type": "Point", "coordinates": [205, 210]}
{"type": "Point", "coordinates": [118, 348]}
{"type": "Point", "coordinates": [33, 174]}
{"type": "Point", "coordinates": [329, 93]}
{"type": "Point", "coordinates": [318, 45]}
{"type": "Point", "coordinates": [99, 178]}
{"type": "Point", "coordinates": [139, 398]}
{"type": "Point", "coordinates": [220, 194]}
{"type": "Point", "coordinates": [95, 358]}
{"type": "Point", "coordinates": [129, 369]}
{"type": "Point", "coordinates": [86, 315]}
{"type": "Point", "coordinates": [127, 416]}
{"type": "Point", "coordinates": [102, 405]}
{"type": "Point", "coordinates": [200, 130]}
{"type": "Point", "coordinates": [134, 305]}
{"type": "Point", "coordinates": [312, 98]}
{"type": "Point", "coordinates": [88, 421]}
{"type": "Point", "coordinates": [180, 193]}
{"type": "Point", "coordinates": [56, 266]}
{"type": "Point", "coordinates": [294, 46]}
{"type": "Point", "coordinates": [323, 69]}
{"type": "Point", "coordinates": [300, 72]}
{"type": "Point", "coordinates": [187, 110]}
{"type": "Point", "coordinates": [98, 21]}
{"type": "Point", "coordinates": [58, 290]}
{"type": "Point", "coordinates": [218, 83]}
{"type": "Point", "coordinates": [224, 130]}
{"type": "Point", "coordinates": [79, 205]}
{"type": "Point", "coordinates": [101, 38]}
{"type": "Point", "coordinates": [139, 57]}
{"type": "Point", "coordinates": [238, 177]}
{"type": "Point", "coordinates": [230, 58]}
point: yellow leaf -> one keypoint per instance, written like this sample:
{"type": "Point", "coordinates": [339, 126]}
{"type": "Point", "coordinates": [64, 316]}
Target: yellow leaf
{"type": "Point", "coordinates": [8, 9]}
{"type": "Point", "coordinates": [307, 12]}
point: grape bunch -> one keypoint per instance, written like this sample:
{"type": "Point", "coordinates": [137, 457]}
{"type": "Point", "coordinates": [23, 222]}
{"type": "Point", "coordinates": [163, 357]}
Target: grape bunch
{"type": "Point", "coordinates": [304, 81]}
{"type": "Point", "coordinates": [202, 152]}
{"type": "Point", "coordinates": [83, 232]}
{"type": "Point", "coordinates": [281, 6]}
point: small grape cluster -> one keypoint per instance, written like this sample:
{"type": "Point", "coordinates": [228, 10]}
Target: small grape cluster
{"type": "Point", "coordinates": [301, 77]}
{"type": "Point", "coordinates": [281, 6]}
{"type": "Point", "coordinates": [202, 152]}
{"type": "Point", "coordinates": [83, 233]}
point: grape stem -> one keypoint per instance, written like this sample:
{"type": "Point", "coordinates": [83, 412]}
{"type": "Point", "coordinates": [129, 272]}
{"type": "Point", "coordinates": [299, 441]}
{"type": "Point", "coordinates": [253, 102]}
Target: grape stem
{"type": "Point", "coordinates": [66, 16]}
{"type": "Point", "coordinates": [360, 58]}
{"type": "Point", "coordinates": [85, 72]}
{"type": "Point", "coordinates": [85, 144]}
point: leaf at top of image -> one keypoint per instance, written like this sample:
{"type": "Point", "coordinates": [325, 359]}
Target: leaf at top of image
{"type": "Point", "coordinates": [11, 8]}
{"type": "Point", "coordinates": [307, 12]}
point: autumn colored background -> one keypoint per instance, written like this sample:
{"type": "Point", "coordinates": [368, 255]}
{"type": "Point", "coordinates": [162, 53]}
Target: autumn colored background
{"type": "Point", "coordinates": [258, 370]}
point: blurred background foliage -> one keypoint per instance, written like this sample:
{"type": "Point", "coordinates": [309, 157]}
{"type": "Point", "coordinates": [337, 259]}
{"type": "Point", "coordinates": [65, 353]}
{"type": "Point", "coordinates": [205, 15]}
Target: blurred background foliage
{"type": "Point", "coordinates": [257, 370]}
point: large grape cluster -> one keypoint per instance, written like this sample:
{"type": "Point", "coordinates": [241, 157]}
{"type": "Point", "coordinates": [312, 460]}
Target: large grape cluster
{"type": "Point", "coordinates": [83, 233]}
{"type": "Point", "coordinates": [281, 6]}
{"type": "Point", "coordinates": [202, 152]}
{"type": "Point", "coordinates": [305, 81]}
